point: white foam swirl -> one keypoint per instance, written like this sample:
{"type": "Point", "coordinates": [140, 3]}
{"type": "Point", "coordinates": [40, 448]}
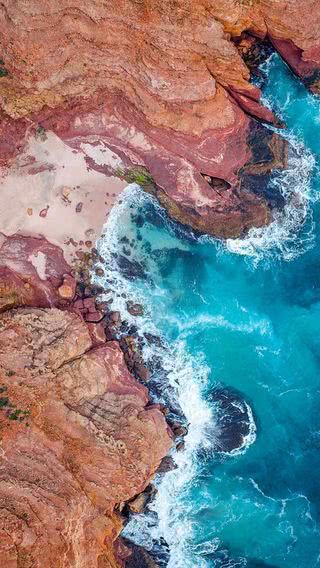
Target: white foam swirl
{"type": "Point", "coordinates": [279, 239]}
{"type": "Point", "coordinates": [188, 377]}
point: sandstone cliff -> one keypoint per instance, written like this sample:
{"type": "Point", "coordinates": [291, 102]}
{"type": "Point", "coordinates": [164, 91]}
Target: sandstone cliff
{"type": "Point", "coordinates": [78, 433]}
{"type": "Point", "coordinates": [146, 90]}
{"type": "Point", "coordinates": [159, 85]}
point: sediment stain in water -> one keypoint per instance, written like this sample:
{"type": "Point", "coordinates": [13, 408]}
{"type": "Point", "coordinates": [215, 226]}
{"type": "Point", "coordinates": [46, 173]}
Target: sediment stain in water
{"type": "Point", "coordinates": [244, 315]}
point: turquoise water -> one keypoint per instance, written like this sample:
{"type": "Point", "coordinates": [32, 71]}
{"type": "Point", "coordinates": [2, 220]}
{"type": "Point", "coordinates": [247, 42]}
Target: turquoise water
{"type": "Point", "coordinates": [245, 315]}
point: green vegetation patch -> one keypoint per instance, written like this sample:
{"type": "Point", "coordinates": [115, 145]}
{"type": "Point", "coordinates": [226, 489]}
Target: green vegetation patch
{"type": "Point", "coordinates": [138, 175]}
{"type": "Point", "coordinates": [3, 70]}
{"type": "Point", "coordinates": [10, 409]}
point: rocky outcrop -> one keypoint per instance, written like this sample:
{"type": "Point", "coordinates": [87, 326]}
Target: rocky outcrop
{"type": "Point", "coordinates": [79, 436]}
{"type": "Point", "coordinates": [135, 556]}
{"type": "Point", "coordinates": [155, 85]}
{"type": "Point", "coordinates": [33, 272]}
{"type": "Point", "coordinates": [145, 91]}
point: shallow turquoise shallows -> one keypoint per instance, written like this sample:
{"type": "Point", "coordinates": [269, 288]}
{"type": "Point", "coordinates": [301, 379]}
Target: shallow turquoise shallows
{"type": "Point", "coordinates": [244, 315]}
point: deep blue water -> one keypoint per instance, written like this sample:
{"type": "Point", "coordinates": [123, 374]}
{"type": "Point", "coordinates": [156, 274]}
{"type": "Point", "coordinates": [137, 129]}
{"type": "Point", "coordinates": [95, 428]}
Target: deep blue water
{"type": "Point", "coordinates": [244, 315]}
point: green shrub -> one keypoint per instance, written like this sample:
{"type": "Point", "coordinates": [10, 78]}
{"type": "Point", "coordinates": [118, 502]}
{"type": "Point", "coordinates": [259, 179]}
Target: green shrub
{"type": "Point", "coordinates": [4, 401]}
{"type": "Point", "coordinates": [3, 71]}
{"type": "Point", "coordinates": [138, 175]}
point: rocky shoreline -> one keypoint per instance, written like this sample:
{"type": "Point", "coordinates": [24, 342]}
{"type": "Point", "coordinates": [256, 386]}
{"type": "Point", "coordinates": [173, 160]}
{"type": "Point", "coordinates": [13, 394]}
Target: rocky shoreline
{"type": "Point", "coordinates": [54, 328]}
{"type": "Point", "coordinates": [80, 438]}
{"type": "Point", "coordinates": [68, 344]}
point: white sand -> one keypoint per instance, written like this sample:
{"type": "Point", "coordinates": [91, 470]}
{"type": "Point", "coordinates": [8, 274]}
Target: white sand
{"type": "Point", "coordinates": [64, 182]}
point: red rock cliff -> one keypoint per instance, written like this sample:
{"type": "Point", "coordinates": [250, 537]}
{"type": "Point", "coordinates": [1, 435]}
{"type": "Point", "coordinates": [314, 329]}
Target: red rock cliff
{"type": "Point", "coordinates": [160, 85]}
{"type": "Point", "coordinates": [87, 90]}
{"type": "Point", "coordinates": [78, 434]}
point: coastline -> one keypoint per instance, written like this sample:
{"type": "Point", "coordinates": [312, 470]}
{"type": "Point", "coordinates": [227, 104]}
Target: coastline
{"type": "Point", "coordinates": [59, 189]}
{"type": "Point", "coordinates": [47, 261]}
{"type": "Point", "coordinates": [52, 264]}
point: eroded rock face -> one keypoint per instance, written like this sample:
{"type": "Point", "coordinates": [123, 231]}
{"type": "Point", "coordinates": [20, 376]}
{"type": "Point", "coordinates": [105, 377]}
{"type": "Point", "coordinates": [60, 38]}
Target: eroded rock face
{"type": "Point", "coordinates": [33, 272]}
{"type": "Point", "coordinates": [77, 437]}
{"type": "Point", "coordinates": [156, 84]}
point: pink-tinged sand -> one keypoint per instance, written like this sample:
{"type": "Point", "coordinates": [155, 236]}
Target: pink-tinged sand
{"type": "Point", "coordinates": [51, 190]}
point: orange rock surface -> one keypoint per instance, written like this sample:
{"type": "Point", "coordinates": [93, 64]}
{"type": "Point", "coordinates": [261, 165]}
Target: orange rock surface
{"type": "Point", "coordinates": [77, 438]}
{"type": "Point", "coordinates": [90, 90]}
{"type": "Point", "coordinates": [78, 435]}
{"type": "Point", "coordinates": [160, 85]}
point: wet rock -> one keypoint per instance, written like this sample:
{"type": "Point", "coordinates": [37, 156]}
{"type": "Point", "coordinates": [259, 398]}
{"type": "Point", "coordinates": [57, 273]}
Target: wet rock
{"type": "Point", "coordinates": [103, 306]}
{"type": "Point", "coordinates": [133, 357]}
{"type": "Point", "coordinates": [112, 331]}
{"type": "Point", "coordinates": [93, 290]}
{"type": "Point", "coordinates": [135, 309]}
{"type": "Point", "coordinates": [140, 502]}
{"type": "Point", "coordinates": [180, 446]}
{"type": "Point", "coordinates": [115, 317]}
{"type": "Point", "coordinates": [254, 52]}
{"type": "Point", "coordinates": [135, 556]}
{"type": "Point", "coordinates": [154, 339]}
{"type": "Point", "coordinates": [164, 409]}
{"type": "Point", "coordinates": [141, 371]}
{"type": "Point", "coordinates": [113, 325]}
{"type": "Point", "coordinates": [234, 421]}
{"type": "Point", "coordinates": [167, 464]}
{"type": "Point", "coordinates": [269, 153]}
{"type": "Point", "coordinates": [178, 429]}
{"type": "Point", "coordinates": [99, 271]}
{"type": "Point", "coordinates": [131, 269]}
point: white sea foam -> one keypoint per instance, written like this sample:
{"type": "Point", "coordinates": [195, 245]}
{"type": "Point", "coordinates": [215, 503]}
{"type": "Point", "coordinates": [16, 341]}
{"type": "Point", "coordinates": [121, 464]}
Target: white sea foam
{"type": "Point", "coordinates": [291, 232]}
{"type": "Point", "coordinates": [250, 438]}
{"type": "Point", "coordinates": [171, 512]}
{"type": "Point", "coordinates": [261, 326]}
{"type": "Point", "coordinates": [188, 377]}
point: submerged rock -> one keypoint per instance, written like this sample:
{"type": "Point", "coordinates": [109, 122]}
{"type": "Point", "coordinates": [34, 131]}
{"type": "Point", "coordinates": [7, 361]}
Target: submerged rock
{"type": "Point", "coordinates": [234, 426]}
{"type": "Point", "coordinates": [135, 309]}
{"type": "Point", "coordinates": [130, 269]}
{"type": "Point", "coordinates": [167, 464]}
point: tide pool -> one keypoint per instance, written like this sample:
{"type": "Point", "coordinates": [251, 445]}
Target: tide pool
{"type": "Point", "coordinates": [243, 315]}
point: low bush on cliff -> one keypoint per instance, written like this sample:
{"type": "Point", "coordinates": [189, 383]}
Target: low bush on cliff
{"type": "Point", "coordinates": [10, 409]}
{"type": "Point", "coordinates": [138, 175]}
{"type": "Point", "coordinates": [3, 71]}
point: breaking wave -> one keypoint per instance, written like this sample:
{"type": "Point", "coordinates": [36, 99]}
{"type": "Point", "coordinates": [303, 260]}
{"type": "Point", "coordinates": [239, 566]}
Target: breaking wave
{"type": "Point", "coordinates": [187, 377]}
{"type": "Point", "coordinates": [169, 527]}
{"type": "Point", "coordinates": [291, 232]}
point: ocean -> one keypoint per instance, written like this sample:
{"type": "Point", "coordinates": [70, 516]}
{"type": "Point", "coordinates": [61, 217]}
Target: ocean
{"type": "Point", "coordinates": [240, 355]}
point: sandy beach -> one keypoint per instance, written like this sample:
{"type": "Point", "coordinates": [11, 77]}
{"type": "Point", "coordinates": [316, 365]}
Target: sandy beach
{"type": "Point", "coordinates": [50, 190]}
